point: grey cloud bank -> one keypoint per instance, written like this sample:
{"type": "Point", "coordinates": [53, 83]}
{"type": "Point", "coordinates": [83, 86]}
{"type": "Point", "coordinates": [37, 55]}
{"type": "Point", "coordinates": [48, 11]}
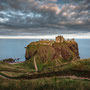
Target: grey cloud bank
{"type": "Point", "coordinates": [63, 16]}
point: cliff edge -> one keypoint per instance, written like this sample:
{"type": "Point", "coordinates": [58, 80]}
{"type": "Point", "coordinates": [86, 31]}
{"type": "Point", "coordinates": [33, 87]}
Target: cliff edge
{"type": "Point", "coordinates": [58, 50]}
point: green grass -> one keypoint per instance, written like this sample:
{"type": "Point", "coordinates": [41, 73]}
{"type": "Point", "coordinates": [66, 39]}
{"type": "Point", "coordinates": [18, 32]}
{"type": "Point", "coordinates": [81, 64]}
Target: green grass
{"type": "Point", "coordinates": [75, 65]}
{"type": "Point", "coordinates": [26, 69]}
{"type": "Point", "coordinates": [54, 83]}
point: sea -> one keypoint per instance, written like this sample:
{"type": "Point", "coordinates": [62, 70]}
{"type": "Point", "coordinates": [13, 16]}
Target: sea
{"type": "Point", "coordinates": [15, 48]}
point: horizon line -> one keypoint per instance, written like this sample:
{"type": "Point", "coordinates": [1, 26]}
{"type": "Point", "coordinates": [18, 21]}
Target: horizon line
{"type": "Point", "coordinates": [67, 36]}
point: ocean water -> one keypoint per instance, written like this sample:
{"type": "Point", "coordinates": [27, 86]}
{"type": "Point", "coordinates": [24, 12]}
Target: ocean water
{"type": "Point", "coordinates": [84, 48]}
{"type": "Point", "coordinates": [15, 48]}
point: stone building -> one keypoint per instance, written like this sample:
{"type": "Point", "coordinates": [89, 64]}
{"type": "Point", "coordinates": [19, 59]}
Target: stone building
{"type": "Point", "coordinates": [73, 40]}
{"type": "Point", "coordinates": [60, 39]}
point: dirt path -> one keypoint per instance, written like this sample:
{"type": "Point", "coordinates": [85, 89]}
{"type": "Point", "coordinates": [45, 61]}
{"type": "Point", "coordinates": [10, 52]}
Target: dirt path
{"type": "Point", "coordinates": [71, 77]}
{"type": "Point", "coordinates": [74, 74]}
{"type": "Point", "coordinates": [75, 77]}
{"type": "Point", "coordinates": [3, 77]}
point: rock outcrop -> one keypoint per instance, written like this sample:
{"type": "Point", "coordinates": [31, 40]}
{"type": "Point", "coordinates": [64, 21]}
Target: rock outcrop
{"type": "Point", "coordinates": [50, 50]}
{"type": "Point", "coordinates": [9, 60]}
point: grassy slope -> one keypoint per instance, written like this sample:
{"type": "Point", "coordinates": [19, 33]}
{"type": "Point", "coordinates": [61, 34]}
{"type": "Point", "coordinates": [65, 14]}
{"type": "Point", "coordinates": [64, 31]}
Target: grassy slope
{"type": "Point", "coordinates": [83, 64]}
{"type": "Point", "coordinates": [52, 83]}
{"type": "Point", "coordinates": [27, 68]}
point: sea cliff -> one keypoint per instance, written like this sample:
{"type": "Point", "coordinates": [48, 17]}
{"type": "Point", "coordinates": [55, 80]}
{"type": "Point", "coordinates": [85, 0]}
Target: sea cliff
{"type": "Point", "coordinates": [58, 50]}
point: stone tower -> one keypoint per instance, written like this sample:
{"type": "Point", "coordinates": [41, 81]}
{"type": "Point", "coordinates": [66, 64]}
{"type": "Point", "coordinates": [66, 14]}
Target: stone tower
{"type": "Point", "coordinates": [60, 39]}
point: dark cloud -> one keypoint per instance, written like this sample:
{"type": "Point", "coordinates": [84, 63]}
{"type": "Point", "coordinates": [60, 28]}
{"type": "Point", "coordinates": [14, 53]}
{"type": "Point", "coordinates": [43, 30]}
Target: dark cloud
{"type": "Point", "coordinates": [45, 13]}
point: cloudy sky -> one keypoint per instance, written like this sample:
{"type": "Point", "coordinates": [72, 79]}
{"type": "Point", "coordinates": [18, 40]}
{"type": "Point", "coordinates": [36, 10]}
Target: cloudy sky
{"type": "Point", "coordinates": [45, 17]}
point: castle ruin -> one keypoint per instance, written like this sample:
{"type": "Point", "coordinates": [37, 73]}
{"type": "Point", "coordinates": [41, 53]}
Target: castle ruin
{"type": "Point", "coordinates": [60, 39]}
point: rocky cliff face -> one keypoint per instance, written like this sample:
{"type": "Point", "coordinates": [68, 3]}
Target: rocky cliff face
{"type": "Point", "coordinates": [46, 50]}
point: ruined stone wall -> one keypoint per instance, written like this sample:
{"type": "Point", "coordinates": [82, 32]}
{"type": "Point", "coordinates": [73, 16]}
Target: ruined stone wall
{"type": "Point", "coordinates": [60, 39]}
